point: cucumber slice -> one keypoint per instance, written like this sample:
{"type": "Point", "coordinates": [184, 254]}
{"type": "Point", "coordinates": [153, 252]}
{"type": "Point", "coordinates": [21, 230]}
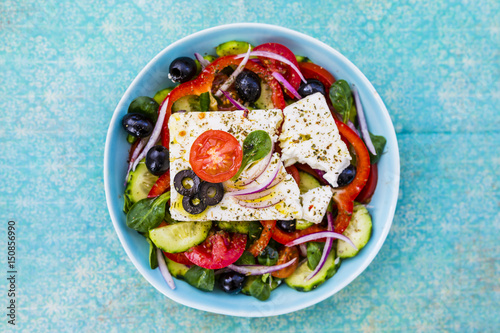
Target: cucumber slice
{"type": "Point", "coordinates": [265, 101]}
{"type": "Point", "coordinates": [241, 227]}
{"type": "Point", "coordinates": [298, 280]}
{"type": "Point", "coordinates": [232, 47]}
{"type": "Point", "coordinates": [359, 232]}
{"type": "Point", "coordinates": [303, 224]}
{"type": "Point", "coordinates": [307, 182]}
{"type": "Point", "coordinates": [187, 103]}
{"type": "Point", "coordinates": [180, 237]}
{"type": "Point", "coordinates": [139, 183]}
{"type": "Point", "coordinates": [177, 270]}
{"type": "Point", "coordinates": [162, 94]}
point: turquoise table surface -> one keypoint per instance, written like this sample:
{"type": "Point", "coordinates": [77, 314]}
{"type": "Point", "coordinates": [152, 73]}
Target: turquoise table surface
{"type": "Point", "coordinates": [436, 65]}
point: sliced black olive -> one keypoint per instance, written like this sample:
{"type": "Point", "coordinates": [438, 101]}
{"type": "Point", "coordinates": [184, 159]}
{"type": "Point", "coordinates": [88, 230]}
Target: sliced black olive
{"type": "Point", "coordinates": [312, 86]}
{"type": "Point", "coordinates": [157, 160]}
{"type": "Point", "coordinates": [137, 125]}
{"type": "Point", "coordinates": [186, 182]}
{"type": "Point", "coordinates": [247, 85]}
{"type": "Point", "coordinates": [193, 205]}
{"type": "Point", "coordinates": [288, 226]}
{"type": "Point", "coordinates": [182, 69]}
{"type": "Point", "coordinates": [231, 282]}
{"type": "Point", "coordinates": [211, 193]}
{"type": "Point", "coordinates": [347, 176]}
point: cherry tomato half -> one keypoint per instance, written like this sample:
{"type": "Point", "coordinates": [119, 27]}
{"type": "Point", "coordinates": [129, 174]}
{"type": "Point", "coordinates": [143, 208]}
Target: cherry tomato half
{"type": "Point", "coordinates": [219, 250]}
{"type": "Point", "coordinates": [276, 66]}
{"type": "Point", "coordinates": [285, 255]}
{"type": "Point", "coordinates": [179, 258]}
{"type": "Point", "coordinates": [215, 156]}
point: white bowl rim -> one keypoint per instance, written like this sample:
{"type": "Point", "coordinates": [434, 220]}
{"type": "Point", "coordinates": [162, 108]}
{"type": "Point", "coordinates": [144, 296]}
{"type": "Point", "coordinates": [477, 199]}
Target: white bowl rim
{"type": "Point", "coordinates": [295, 307]}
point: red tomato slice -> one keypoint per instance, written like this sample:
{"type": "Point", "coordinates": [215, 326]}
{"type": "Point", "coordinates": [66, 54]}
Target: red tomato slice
{"type": "Point", "coordinates": [260, 244]}
{"type": "Point", "coordinates": [285, 255]}
{"type": "Point", "coordinates": [218, 251]}
{"type": "Point", "coordinates": [179, 258]}
{"type": "Point", "coordinates": [215, 156]}
{"type": "Point", "coordinates": [161, 186]}
{"type": "Point", "coordinates": [276, 66]}
{"type": "Point", "coordinates": [292, 170]}
{"type": "Point", "coordinates": [367, 192]}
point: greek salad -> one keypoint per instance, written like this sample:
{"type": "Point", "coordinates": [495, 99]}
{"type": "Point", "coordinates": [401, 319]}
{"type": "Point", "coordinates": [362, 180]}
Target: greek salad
{"type": "Point", "coordinates": [250, 170]}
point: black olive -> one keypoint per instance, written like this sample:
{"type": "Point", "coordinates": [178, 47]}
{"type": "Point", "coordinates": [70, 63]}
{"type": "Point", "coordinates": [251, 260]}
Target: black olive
{"type": "Point", "coordinates": [157, 160]}
{"type": "Point", "coordinates": [231, 282]}
{"type": "Point", "coordinates": [193, 205]}
{"type": "Point", "coordinates": [211, 193]}
{"type": "Point", "coordinates": [146, 106]}
{"type": "Point", "coordinates": [347, 175]}
{"type": "Point", "coordinates": [182, 69]}
{"type": "Point", "coordinates": [137, 125]}
{"type": "Point", "coordinates": [247, 85]}
{"type": "Point", "coordinates": [312, 86]}
{"type": "Point", "coordinates": [288, 226]}
{"type": "Point", "coordinates": [186, 182]}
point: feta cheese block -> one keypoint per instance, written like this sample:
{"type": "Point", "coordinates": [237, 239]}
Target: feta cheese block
{"type": "Point", "coordinates": [310, 136]}
{"type": "Point", "coordinates": [186, 127]}
{"type": "Point", "coordinates": [315, 202]}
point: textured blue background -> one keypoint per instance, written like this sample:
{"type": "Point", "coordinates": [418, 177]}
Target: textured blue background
{"type": "Point", "coordinates": [436, 65]}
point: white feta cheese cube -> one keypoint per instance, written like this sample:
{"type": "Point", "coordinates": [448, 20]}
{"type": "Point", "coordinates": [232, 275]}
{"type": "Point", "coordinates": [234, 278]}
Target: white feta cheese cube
{"type": "Point", "coordinates": [310, 136]}
{"type": "Point", "coordinates": [315, 202]}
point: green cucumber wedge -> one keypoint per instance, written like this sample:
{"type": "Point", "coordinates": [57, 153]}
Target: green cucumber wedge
{"type": "Point", "coordinates": [177, 270]}
{"type": "Point", "coordinates": [139, 183]}
{"type": "Point", "coordinates": [307, 182]}
{"type": "Point", "coordinates": [359, 232]}
{"type": "Point", "coordinates": [298, 280]}
{"type": "Point", "coordinates": [179, 237]}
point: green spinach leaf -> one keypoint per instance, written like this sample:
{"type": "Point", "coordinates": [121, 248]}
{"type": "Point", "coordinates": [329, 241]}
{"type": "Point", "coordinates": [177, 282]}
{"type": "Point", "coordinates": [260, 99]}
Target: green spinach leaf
{"type": "Point", "coordinates": [342, 100]}
{"type": "Point", "coordinates": [246, 259]}
{"type": "Point", "coordinates": [379, 143]}
{"type": "Point", "coordinates": [204, 101]}
{"type": "Point", "coordinates": [260, 290]}
{"type": "Point", "coordinates": [314, 252]}
{"type": "Point", "coordinates": [255, 147]}
{"type": "Point", "coordinates": [153, 259]}
{"type": "Point", "coordinates": [201, 278]}
{"type": "Point", "coordinates": [147, 213]}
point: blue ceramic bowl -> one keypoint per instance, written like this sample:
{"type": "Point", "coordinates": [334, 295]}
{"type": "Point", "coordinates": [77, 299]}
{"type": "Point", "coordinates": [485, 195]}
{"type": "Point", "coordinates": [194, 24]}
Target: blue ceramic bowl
{"type": "Point", "coordinates": [283, 300]}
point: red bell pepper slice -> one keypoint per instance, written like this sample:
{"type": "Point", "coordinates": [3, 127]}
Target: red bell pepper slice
{"type": "Point", "coordinates": [366, 194]}
{"type": "Point", "coordinates": [203, 83]}
{"type": "Point", "coordinates": [344, 197]}
{"type": "Point", "coordinates": [161, 186]}
{"type": "Point", "coordinates": [284, 237]}
{"type": "Point", "coordinates": [260, 244]}
{"type": "Point", "coordinates": [313, 71]}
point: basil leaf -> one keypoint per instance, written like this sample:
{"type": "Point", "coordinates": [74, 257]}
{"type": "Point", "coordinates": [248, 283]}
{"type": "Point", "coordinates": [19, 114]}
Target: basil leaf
{"type": "Point", "coordinates": [201, 278]}
{"type": "Point", "coordinates": [147, 213]}
{"type": "Point", "coordinates": [255, 147]}
{"type": "Point", "coordinates": [246, 259]}
{"type": "Point", "coordinates": [153, 259]}
{"type": "Point", "coordinates": [341, 97]}
{"type": "Point", "coordinates": [314, 252]}
{"type": "Point", "coordinates": [379, 143]}
{"type": "Point", "coordinates": [204, 101]}
{"type": "Point", "coordinates": [260, 290]}
{"type": "Point", "coordinates": [268, 257]}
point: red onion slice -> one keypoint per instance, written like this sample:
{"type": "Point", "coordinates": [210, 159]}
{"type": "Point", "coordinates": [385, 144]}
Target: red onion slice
{"type": "Point", "coordinates": [271, 55]}
{"type": "Point", "coordinates": [237, 71]}
{"type": "Point", "coordinates": [286, 84]}
{"type": "Point", "coordinates": [320, 235]}
{"type": "Point", "coordinates": [303, 250]}
{"type": "Point", "coordinates": [164, 269]}
{"type": "Point", "coordinates": [326, 249]}
{"type": "Point", "coordinates": [203, 62]}
{"type": "Point", "coordinates": [362, 121]}
{"type": "Point", "coordinates": [155, 135]}
{"type": "Point", "coordinates": [258, 169]}
{"type": "Point", "coordinates": [262, 204]}
{"type": "Point", "coordinates": [260, 187]}
{"type": "Point", "coordinates": [259, 269]}
{"type": "Point", "coordinates": [257, 195]}
{"type": "Point", "coordinates": [137, 151]}
{"type": "Point", "coordinates": [232, 100]}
